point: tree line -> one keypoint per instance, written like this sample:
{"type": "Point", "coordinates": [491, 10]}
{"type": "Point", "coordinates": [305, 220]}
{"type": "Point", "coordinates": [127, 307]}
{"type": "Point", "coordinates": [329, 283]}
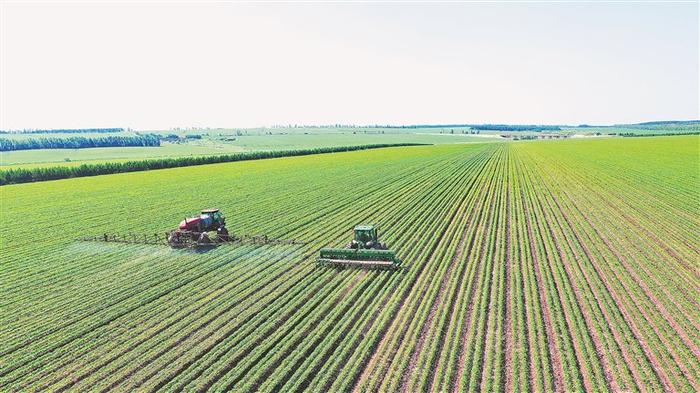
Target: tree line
{"type": "Point", "coordinates": [79, 142]}
{"type": "Point", "coordinates": [66, 131]}
{"type": "Point", "coordinates": [514, 127]}
{"type": "Point", "coordinates": [664, 123]}
{"type": "Point", "coordinates": [495, 127]}
{"type": "Point", "coordinates": [632, 134]}
{"type": "Point", "coordinates": [22, 175]}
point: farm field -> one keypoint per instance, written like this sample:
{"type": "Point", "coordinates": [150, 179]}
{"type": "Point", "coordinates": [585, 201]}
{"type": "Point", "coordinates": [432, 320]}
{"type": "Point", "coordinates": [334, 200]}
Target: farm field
{"type": "Point", "coordinates": [528, 266]}
{"type": "Point", "coordinates": [55, 157]}
{"type": "Point", "coordinates": [216, 142]}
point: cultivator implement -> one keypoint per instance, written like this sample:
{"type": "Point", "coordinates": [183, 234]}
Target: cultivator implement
{"type": "Point", "coordinates": [206, 230]}
{"type": "Point", "coordinates": [359, 258]}
{"type": "Point", "coordinates": [188, 241]}
{"type": "Point", "coordinates": [364, 251]}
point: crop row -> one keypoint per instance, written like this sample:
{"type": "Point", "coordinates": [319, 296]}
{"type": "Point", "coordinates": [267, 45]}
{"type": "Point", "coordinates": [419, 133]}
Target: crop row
{"type": "Point", "coordinates": [537, 266]}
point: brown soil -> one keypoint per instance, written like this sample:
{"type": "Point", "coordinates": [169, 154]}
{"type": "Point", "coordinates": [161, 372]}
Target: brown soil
{"type": "Point", "coordinates": [368, 367]}
{"type": "Point", "coordinates": [680, 362]}
{"type": "Point", "coordinates": [556, 363]}
{"type": "Point", "coordinates": [616, 335]}
{"type": "Point", "coordinates": [507, 368]}
{"type": "Point", "coordinates": [431, 315]}
{"type": "Point", "coordinates": [466, 332]}
{"type": "Point", "coordinates": [592, 333]}
{"type": "Point", "coordinates": [656, 365]}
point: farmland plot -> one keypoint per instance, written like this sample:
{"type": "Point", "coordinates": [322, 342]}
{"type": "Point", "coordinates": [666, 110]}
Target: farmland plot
{"type": "Point", "coordinates": [539, 266]}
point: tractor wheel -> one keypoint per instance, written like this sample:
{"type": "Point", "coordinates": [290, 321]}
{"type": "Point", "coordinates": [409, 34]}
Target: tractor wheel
{"type": "Point", "coordinates": [174, 239]}
{"type": "Point", "coordinates": [222, 234]}
{"type": "Point", "coordinates": [204, 238]}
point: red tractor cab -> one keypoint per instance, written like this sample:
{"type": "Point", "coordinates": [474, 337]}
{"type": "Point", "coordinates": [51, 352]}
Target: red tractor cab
{"type": "Point", "coordinates": [195, 229]}
{"type": "Point", "coordinates": [207, 220]}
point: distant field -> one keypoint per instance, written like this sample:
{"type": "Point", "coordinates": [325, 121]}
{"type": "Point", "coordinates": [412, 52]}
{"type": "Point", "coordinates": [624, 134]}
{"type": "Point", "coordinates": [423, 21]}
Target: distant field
{"type": "Point", "coordinates": [638, 130]}
{"type": "Point", "coordinates": [20, 135]}
{"type": "Point", "coordinates": [216, 144]}
{"type": "Point", "coordinates": [62, 156]}
{"type": "Point", "coordinates": [529, 266]}
{"type": "Point", "coordinates": [225, 141]}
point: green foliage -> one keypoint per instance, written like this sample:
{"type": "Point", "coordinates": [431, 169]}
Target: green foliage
{"type": "Point", "coordinates": [633, 134]}
{"type": "Point", "coordinates": [66, 131]}
{"type": "Point", "coordinates": [565, 265]}
{"type": "Point", "coordinates": [21, 175]}
{"type": "Point", "coordinates": [78, 142]}
{"type": "Point", "coordinates": [514, 127]}
{"type": "Point", "coordinates": [175, 144]}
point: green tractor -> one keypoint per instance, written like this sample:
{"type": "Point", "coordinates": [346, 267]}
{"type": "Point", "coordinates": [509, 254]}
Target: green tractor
{"type": "Point", "coordinates": [365, 251]}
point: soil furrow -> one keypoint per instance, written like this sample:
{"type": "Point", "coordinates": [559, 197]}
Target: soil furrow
{"type": "Point", "coordinates": [368, 366]}
{"type": "Point", "coordinates": [592, 334]}
{"type": "Point", "coordinates": [454, 384]}
{"type": "Point", "coordinates": [556, 363]}
{"type": "Point", "coordinates": [507, 340]}
{"type": "Point", "coordinates": [656, 365]}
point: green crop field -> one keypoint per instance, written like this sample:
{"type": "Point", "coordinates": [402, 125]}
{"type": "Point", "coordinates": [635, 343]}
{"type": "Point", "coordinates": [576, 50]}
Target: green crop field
{"type": "Point", "coordinates": [528, 266]}
{"type": "Point", "coordinates": [215, 142]}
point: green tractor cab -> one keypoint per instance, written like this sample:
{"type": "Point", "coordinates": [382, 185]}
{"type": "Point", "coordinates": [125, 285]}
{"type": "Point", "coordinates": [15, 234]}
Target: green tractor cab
{"type": "Point", "coordinates": [364, 251]}
{"type": "Point", "coordinates": [366, 238]}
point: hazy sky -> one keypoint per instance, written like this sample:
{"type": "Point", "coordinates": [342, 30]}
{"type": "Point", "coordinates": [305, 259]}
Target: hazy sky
{"type": "Point", "coordinates": [218, 64]}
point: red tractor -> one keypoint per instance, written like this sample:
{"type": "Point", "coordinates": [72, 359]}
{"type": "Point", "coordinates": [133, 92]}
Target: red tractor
{"type": "Point", "coordinates": [195, 231]}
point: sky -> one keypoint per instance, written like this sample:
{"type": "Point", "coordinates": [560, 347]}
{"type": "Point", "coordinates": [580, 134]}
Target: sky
{"type": "Point", "coordinates": [159, 65]}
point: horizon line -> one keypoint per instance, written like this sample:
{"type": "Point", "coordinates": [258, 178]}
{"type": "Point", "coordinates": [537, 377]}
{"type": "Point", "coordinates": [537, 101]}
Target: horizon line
{"type": "Point", "coordinates": [340, 125]}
